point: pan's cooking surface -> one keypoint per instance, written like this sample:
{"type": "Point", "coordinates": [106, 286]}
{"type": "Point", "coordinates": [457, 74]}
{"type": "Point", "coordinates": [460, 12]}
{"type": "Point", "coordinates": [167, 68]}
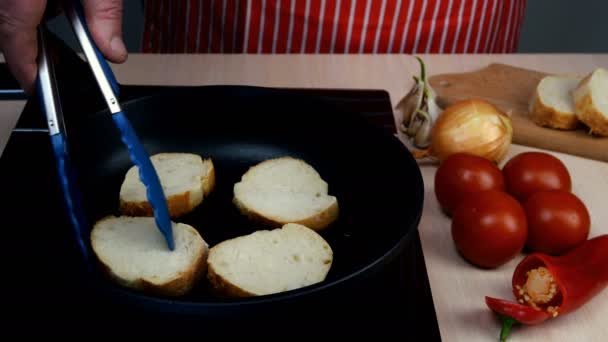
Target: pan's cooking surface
{"type": "Point", "coordinates": [376, 181]}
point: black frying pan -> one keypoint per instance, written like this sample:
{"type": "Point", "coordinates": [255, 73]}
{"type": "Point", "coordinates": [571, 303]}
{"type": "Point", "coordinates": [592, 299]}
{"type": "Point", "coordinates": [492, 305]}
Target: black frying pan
{"type": "Point", "coordinates": [376, 181]}
{"type": "Point", "coordinates": [375, 178]}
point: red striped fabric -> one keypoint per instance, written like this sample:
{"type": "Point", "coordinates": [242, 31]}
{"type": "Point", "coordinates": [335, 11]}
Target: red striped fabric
{"type": "Point", "coordinates": [332, 26]}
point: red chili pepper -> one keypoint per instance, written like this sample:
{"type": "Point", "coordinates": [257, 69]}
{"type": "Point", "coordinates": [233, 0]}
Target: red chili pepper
{"type": "Point", "coordinates": [572, 280]}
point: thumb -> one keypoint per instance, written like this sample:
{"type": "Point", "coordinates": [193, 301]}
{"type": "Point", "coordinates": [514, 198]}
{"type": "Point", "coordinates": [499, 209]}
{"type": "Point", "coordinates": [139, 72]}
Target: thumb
{"type": "Point", "coordinates": [104, 19]}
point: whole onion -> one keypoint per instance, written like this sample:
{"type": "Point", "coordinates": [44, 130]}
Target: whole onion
{"type": "Point", "coordinates": [472, 126]}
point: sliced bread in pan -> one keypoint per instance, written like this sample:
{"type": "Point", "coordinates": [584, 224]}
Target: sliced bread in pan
{"type": "Point", "coordinates": [285, 190]}
{"type": "Point", "coordinates": [135, 255]}
{"type": "Point", "coordinates": [186, 180]}
{"type": "Point", "coordinates": [269, 261]}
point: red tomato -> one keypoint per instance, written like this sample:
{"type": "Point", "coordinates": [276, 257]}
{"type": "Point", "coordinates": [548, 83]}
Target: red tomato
{"type": "Point", "coordinates": [489, 229]}
{"type": "Point", "coordinates": [529, 172]}
{"type": "Point", "coordinates": [558, 221]}
{"type": "Point", "coordinates": [462, 174]}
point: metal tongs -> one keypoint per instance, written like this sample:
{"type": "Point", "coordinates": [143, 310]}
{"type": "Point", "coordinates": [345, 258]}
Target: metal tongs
{"type": "Point", "coordinates": [109, 87]}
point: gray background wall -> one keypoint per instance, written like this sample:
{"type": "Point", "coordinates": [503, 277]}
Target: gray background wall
{"type": "Point", "coordinates": [565, 26]}
{"type": "Point", "coordinates": [549, 26]}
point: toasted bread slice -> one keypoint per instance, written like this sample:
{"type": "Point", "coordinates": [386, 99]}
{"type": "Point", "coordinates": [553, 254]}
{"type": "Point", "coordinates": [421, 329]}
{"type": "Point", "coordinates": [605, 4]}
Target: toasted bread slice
{"type": "Point", "coordinates": [133, 252]}
{"type": "Point", "coordinates": [591, 101]}
{"type": "Point", "coordinates": [269, 261]}
{"type": "Point", "coordinates": [186, 180]}
{"type": "Point", "coordinates": [552, 104]}
{"type": "Point", "coordinates": [286, 190]}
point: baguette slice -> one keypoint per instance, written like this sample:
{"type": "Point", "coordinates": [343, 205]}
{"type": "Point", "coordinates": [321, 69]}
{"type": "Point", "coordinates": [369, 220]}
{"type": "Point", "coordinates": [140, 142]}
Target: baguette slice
{"type": "Point", "coordinates": [591, 101]}
{"type": "Point", "coordinates": [134, 254]}
{"type": "Point", "coordinates": [269, 261]}
{"type": "Point", "coordinates": [285, 190]}
{"type": "Point", "coordinates": [552, 104]}
{"type": "Point", "coordinates": [186, 180]}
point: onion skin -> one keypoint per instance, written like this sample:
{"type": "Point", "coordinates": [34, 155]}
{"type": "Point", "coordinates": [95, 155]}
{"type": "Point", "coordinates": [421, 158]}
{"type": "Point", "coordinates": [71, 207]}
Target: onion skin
{"type": "Point", "coordinates": [472, 126]}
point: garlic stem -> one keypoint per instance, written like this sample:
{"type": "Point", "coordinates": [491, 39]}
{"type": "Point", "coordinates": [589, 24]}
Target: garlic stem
{"type": "Point", "coordinates": [422, 69]}
{"type": "Point", "coordinates": [413, 103]}
{"type": "Point", "coordinates": [426, 115]}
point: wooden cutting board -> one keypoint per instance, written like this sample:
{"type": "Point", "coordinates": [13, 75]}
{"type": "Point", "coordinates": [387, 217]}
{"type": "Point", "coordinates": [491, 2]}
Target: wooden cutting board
{"type": "Point", "coordinates": [510, 88]}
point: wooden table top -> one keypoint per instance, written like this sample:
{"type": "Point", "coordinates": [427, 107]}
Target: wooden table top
{"type": "Point", "coordinates": [458, 288]}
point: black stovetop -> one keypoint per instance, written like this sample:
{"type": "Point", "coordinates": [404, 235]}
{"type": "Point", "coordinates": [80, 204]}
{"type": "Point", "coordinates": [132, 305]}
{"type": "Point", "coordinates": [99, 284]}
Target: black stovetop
{"type": "Point", "coordinates": [397, 302]}
{"type": "Point", "coordinates": [44, 296]}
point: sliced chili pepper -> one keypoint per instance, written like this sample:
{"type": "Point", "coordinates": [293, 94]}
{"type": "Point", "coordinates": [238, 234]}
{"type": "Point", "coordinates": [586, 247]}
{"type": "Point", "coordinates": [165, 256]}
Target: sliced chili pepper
{"type": "Point", "coordinates": [518, 312]}
{"type": "Point", "coordinates": [548, 286]}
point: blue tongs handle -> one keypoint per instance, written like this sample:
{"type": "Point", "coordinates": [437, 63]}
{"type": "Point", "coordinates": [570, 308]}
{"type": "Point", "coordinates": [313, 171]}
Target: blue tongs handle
{"type": "Point", "coordinates": [110, 89]}
{"type": "Point", "coordinates": [51, 106]}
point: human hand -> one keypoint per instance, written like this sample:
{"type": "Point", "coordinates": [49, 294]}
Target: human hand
{"type": "Point", "coordinates": [19, 20]}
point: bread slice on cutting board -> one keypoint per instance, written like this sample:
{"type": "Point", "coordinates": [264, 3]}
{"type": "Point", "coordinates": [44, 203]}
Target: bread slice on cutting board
{"type": "Point", "coordinates": [133, 252]}
{"type": "Point", "coordinates": [552, 104]}
{"type": "Point", "coordinates": [269, 261]}
{"type": "Point", "coordinates": [286, 190]}
{"type": "Point", "coordinates": [186, 180]}
{"type": "Point", "coordinates": [591, 101]}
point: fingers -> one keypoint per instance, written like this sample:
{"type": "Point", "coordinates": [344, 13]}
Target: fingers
{"type": "Point", "coordinates": [20, 53]}
{"type": "Point", "coordinates": [18, 35]}
{"type": "Point", "coordinates": [104, 19]}
{"type": "Point", "coordinates": [18, 38]}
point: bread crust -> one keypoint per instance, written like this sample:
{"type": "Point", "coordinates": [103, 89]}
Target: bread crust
{"type": "Point", "coordinates": [179, 286]}
{"type": "Point", "coordinates": [547, 116]}
{"type": "Point", "coordinates": [178, 205]}
{"type": "Point", "coordinates": [225, 288]}
{"type": "Point", "coordinates": [587, 111]}
{"type": "Point", "coordinates": [318, 222]}
{"type": "Point", "coordinates": [209, 181]}
{"type": "Point", "coordinates": [182, 284]}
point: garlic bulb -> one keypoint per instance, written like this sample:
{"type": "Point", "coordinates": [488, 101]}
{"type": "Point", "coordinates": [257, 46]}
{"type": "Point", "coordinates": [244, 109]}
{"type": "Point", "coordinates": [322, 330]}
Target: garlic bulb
{"type": "Point", "coordinates": [419, 110]}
